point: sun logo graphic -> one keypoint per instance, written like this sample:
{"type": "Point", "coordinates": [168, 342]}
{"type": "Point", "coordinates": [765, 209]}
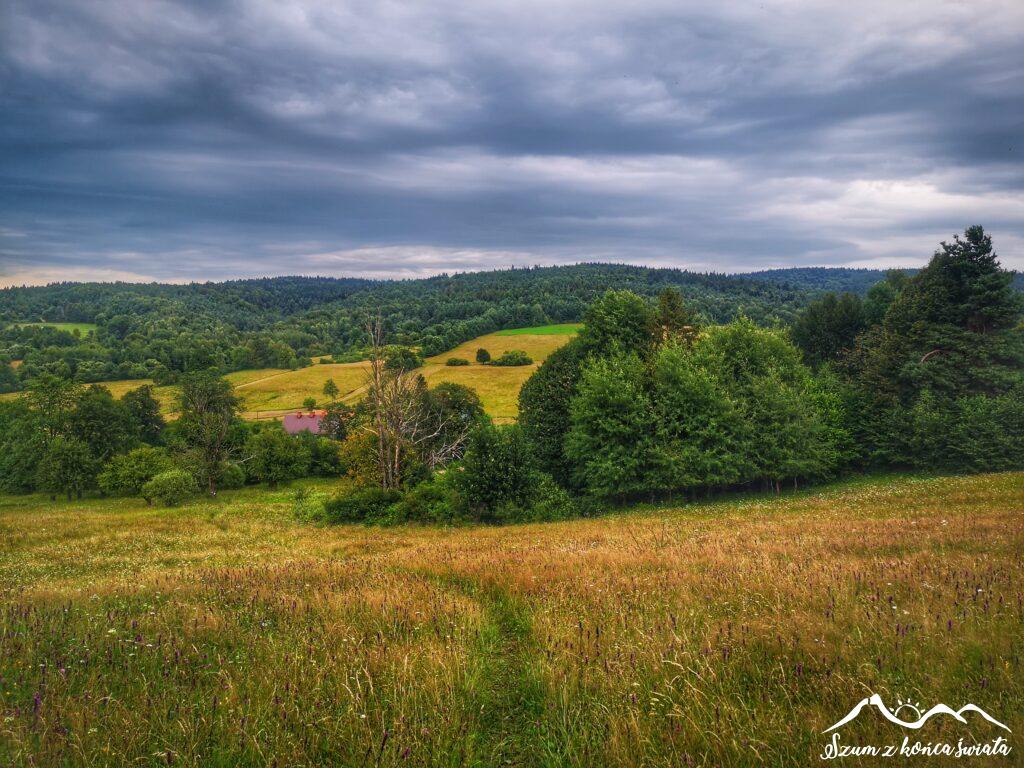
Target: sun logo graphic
{"type": "Point", "coordinates": [913, 710]}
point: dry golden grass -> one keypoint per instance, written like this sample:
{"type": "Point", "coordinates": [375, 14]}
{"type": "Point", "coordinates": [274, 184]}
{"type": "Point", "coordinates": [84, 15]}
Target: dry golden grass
{"type": "Point", "coordinates": [497, 387]}
{"type": "Point", "coordinates": [280, 390]}
{"type": "Point", "coordinates": [536, 345]}
{"type": "Point", "coordinates": [721, 634]}
{"type": "Point", "coordinates": [271, 392]}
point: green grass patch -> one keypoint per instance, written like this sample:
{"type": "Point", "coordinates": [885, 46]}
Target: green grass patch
{"type": "Point", "coordinates": [84, 329]}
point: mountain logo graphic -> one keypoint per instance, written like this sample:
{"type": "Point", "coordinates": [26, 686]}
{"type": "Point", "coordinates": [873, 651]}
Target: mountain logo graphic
{"type": "Point", "coordinates": [939, 709]}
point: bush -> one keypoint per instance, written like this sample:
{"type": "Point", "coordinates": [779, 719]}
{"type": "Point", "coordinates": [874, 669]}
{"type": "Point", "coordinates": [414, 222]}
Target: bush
{"type": "Point", "coordinates": [497, 474]}
{"type": "Point", "coordinates": [125, 474]}
{"type": "Point", "coordinates": [233, 476]}
{"type": "Point", "coordinates": [433, 501]}
{"type": "Point", "coordinates": [454, 361]}
{"type": "Point", "coordinates": [170, 488]}
{"type": "Point", "coordinates": [513, 357]}
{"type": "Point", "coordinates": [550, 502]}
{"type": "Point", "coordinates": [276, 456]}
{"type": "Point", "coordinates": [483, 356]}
{"type": "Point", "coordinates": [363, 505]}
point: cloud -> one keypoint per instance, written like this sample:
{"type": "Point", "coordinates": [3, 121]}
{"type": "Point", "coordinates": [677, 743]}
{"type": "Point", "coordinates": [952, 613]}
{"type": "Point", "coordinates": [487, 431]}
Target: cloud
{"type": "Point", "coordinates": [204, 140]}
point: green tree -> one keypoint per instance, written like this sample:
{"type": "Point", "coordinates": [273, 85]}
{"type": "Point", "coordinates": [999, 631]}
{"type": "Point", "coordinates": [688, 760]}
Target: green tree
{"type": "Point", "coordinates": [498, 478]}
{"type": "Point", "coordinates": [125, 474]}
{"type": "Point", "coordinates": [23, 442]}
{"type": "Point", "coordinates": [453, 412]}
{"type": "Point", "coordinates": [9, 381]}
{"type": "Point", "coordinates": [700, 430]}
{"type": "Point", "coordinates": [274, 456]}
{"type": "Point", "coordinates": [208, 425]}
{"type": "Point", "coordinates": [544, 413]}
{"type": "Point", "coordinates": [483, 356]}
{"type": "Point", "coordinates": [309, 403]}
{"type": "Point", "coordinates": [331, 390]}
{"type": "Point", "coordinates": [398, 358]}
{"type": "Point", "coordinates": [67, 466]}
{"type": "Point", "coordinates": [673, 319]}
{"type": "Point", "coordinates": [828, 327]}
{"type": "Point", "coordinates": [881, 295]}
{"type": "Point", "coordinates": [144, 414]}
{"type": "Point", "coordinates": [620, 321]}
{"type": "Point", "coordinates": [610, 442]}
{"type": "Point", "coordinates": [102, 423]}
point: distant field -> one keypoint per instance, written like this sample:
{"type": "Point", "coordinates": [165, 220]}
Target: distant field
{"type": "Point", "coordinates": [279, 390]}
{"type": "Point", "coordinates": [563, 329]}
{"type": "Point", "coordinates": [83, 328]}
{"type": "Point", "coordinates": [732, 633]}
{"type": "Point", "coordinates": [537, 345]}
{"type": "Point", "coordinates": [270, 391]}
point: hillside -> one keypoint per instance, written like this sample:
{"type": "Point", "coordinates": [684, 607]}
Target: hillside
{"type": "Point", "coordinates": [154, 331]}
{"type": "Point", "coordinates": [835, 279]}
{"type": "Point", "coordinates": [270, 392]}
{"type": "Point", "coordinates": [225, 631]}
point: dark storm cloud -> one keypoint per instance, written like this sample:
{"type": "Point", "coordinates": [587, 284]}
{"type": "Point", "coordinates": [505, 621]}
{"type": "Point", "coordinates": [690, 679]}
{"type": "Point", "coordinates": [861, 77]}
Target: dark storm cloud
{"type": "Point", "coordinates": [206, 140]}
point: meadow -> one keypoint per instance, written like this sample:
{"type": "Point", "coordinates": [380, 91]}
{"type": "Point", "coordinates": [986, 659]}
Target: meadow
{"type": "Point", "coordinates": [83, 329]}
{"type": "Point", "coordinates": [271, 392]}
{"type": "Point", "coordinates": [725, 633]}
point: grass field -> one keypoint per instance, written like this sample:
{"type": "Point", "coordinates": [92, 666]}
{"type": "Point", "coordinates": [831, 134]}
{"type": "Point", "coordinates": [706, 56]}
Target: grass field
{"type": "Point", "coordinates": [270, 391]}
{"type": "Point", "coordinates": [722, 634]}
{"type": "Point", "coordinates": [498, 387]}
{"type": "Point", "coordinates": [563, 329]}
{"type": "Point", "coordinates": [83, 328]}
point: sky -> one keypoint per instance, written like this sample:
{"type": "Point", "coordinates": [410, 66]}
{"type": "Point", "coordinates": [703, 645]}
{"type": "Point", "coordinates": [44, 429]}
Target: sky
{"type": "Point", "coordinates": [214, 139]}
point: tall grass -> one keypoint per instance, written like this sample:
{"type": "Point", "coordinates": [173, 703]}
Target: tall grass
{"type": "Point", "coordinates": [732, 633]}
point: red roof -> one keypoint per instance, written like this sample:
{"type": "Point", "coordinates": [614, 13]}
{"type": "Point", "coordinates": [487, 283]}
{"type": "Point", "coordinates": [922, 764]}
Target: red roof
{"type": "Point", "coordinates": [303, 421]}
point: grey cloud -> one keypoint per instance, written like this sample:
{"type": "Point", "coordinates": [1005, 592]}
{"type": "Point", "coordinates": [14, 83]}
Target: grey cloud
{"type": "Point", "coordinates": [208, 140]}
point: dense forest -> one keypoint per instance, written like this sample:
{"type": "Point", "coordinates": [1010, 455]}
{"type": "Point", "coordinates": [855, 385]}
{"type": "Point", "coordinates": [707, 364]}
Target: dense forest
{"type": "Point", "coordinates": [161, 331]}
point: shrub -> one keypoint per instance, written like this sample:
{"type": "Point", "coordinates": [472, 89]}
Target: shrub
{"type": "Point", "coordinates": [513, 357]}
{"type": "Point", "coordinates": [233, 476]}
{"type": "Point", "coordinates": [358, 456]}
{"type": "Point", "coordinates": [170, 488]}
{"type": "Point", "coordinates": [125, 474]}
{"type": "Point", "coordinates": [550, 502]}
{"type": "Point", "coordinates": [361, 505]}
{"type": "Point", "coordinates": [483, 356]}
{"type": "Point", "coordinates": [454, 361]}
{"type": "Point", "coordinates": [497, 473]}
{"type": "Point", "coordinates": [433, 501]}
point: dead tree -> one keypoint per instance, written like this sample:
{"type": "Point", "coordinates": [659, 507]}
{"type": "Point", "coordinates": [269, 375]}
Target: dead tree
{"type": "Point", "coordinates": [401, 418]}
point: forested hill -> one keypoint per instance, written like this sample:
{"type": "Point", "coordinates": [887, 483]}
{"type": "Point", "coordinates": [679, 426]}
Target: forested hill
{"type": "Point", "coordinates": [157, 330]}
{"type": "Point", "coordinates": [154, 330]}
{"type": "Point", "coordinates": [835, 279]}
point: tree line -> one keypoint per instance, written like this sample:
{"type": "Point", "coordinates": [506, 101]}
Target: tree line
{"type": "Point", "coordinates": [164, 331]}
